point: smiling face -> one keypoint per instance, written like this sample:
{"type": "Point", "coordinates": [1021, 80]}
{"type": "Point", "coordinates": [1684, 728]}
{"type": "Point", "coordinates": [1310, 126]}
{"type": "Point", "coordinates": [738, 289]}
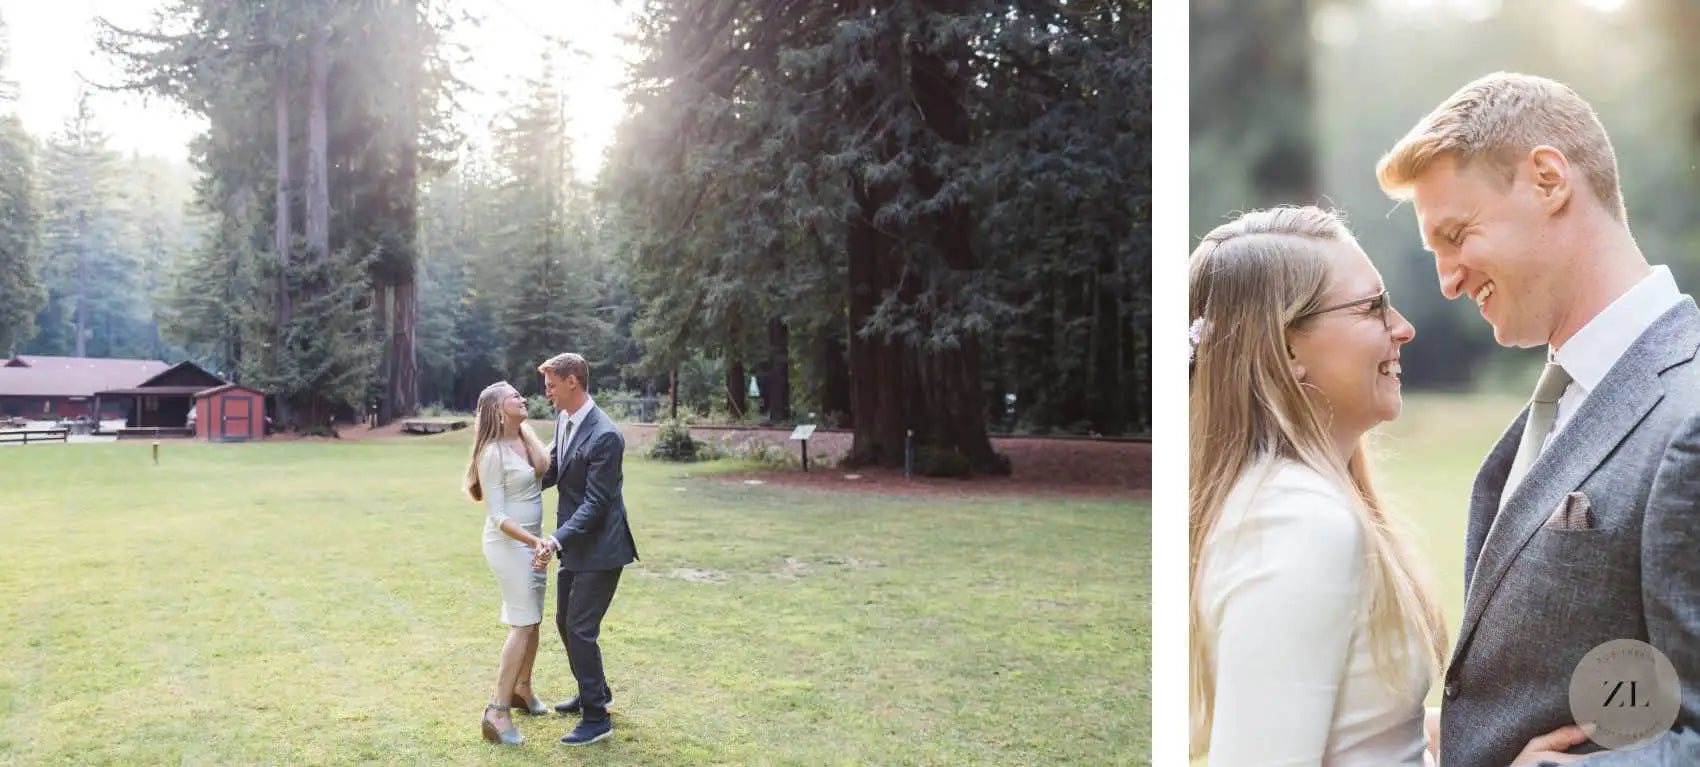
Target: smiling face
{"type": "Point", "coordinates": [1496, 245]}
{"type": "Point", "coordinates": [513, 404]}
{"type": "Point", "coordinates": [1349, 348]}
{"type": "Point", "coordinates": [559, 390]}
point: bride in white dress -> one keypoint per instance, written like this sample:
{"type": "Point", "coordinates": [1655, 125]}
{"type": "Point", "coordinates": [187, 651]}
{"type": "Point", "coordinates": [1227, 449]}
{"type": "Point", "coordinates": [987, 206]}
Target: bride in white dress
{"type": "Point", "coordinates": [505, 473]}
{"type": "Point", "coordinates": [1315, 635]}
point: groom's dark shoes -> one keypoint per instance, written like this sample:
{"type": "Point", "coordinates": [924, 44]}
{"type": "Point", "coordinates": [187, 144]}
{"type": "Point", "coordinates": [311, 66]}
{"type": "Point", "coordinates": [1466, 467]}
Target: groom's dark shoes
{"type": "Point", "coordinates": [587, 733]}
{"type": "Point", "coordinates": [571, 705]}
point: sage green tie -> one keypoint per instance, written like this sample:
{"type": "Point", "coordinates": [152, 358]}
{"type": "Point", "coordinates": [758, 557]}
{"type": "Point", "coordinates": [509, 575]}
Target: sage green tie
{"type": "Point", "coordinates": [1543, 410]}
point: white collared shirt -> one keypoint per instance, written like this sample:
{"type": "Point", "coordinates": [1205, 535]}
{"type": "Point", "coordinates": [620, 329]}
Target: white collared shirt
{"type": "Point", "coordinates": [1590, 354]}
{"type": "Point", "coordinates": [570, 424]}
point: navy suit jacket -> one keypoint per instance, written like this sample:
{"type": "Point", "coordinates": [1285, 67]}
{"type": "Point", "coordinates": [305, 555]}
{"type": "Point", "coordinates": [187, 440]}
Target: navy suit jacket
{"type": "Point", "coordinates": [590, 513]}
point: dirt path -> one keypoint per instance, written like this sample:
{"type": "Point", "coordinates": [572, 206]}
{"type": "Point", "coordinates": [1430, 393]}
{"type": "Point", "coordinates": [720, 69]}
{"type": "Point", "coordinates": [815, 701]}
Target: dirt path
{"type": "Point", "coordinates": [1041, 466]}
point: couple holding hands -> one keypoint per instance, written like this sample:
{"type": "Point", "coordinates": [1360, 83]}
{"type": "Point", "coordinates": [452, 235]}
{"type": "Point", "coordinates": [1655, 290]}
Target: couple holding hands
{"type": "Point", "coordinates": [1316, 635]}
{"type": "Point", "coordinates": [509, 470]}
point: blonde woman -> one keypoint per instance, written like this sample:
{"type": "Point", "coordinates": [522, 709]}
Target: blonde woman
{"type": "Point", "coordinates": [1315, 636]}
{"type": "Point", "coordinates": [505, 473]}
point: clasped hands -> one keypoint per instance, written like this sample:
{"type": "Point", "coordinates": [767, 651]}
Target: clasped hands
{"type": "Point", "coordinates": [546, 548]}
{"type": "Point", "coordinates": [1550, 747]}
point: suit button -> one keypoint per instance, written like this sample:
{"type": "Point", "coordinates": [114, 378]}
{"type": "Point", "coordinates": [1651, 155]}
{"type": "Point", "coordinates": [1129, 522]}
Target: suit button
{"type": "Point", "coordinates": [1451, 691]}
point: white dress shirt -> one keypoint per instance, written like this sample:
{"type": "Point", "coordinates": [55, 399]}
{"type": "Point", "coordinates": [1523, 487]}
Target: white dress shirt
{"type": "Point", "coordinates": [1590, 354]}
{"type": "Point", "coordinates": [1282, 596]}
{"type": "Point", "coordinates": [569, 424]}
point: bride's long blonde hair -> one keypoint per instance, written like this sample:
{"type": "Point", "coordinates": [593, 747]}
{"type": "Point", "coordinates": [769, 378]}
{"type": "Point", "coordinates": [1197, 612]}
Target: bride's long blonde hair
{"type": "Point", "coordinates": [488, 429]}
{"type": "Point", "coordinates": [1251, 281]}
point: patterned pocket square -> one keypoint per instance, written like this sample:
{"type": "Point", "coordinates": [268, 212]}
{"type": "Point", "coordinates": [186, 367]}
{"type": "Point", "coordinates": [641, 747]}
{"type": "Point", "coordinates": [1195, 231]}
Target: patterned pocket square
{"type": "Point", "coordinates": [1576, 512]}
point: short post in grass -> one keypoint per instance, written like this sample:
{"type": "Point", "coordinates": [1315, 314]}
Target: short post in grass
{"type": "Point", "coordinates": [801, 434]}
{"type": "Point", "coordinates": [156, 452]}
{"type": "Point", "coordinates": [908, 453]}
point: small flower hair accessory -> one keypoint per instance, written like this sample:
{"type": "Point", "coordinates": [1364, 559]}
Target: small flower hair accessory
{"type": "Point", "coordinates": [1195, 333]}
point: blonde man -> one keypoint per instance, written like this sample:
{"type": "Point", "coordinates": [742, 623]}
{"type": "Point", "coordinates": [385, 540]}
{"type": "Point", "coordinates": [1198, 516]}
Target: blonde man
{"type": "Point", "coordinates": [1581, 524]}
{"type": "Point", "coordinates": [591, 535]}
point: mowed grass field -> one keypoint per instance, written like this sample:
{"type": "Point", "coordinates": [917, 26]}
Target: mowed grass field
{"type": "Point", "coordinates": [1426, 462]}
{"type": "Point", "coordinates": [328, 603]}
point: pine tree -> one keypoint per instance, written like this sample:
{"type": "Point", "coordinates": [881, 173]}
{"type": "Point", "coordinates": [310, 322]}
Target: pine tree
{"type": "Point", "coordinates": [937, 202]}
{"type": "Point", "coordinates": [322, 118]}
{"type": "Point", "coordinates": [21, 293]}
{"type": "Point", "coordinates": [547, 303]}
{"type": "Point", "coordinates": [93, 308]}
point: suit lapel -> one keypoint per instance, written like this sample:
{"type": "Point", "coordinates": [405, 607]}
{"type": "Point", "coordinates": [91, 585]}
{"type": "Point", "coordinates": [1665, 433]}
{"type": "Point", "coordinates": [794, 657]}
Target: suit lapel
{"type": "Point", "coordinates": [1607, 416]}
{"type": "Point", "coordinates": [578, 436]}
{"type": "Point", "coordinates": [560, 437]}
{"type": "Point", "coordinates": [1485, 495]}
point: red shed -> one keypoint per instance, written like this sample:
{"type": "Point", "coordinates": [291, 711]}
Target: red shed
{"type": "Point", "coordinates": [230, 413]}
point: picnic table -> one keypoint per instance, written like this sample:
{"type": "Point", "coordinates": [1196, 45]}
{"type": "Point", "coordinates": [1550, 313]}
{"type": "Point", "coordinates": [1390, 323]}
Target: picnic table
{"type": "Point", "coordinates": [432, 425]}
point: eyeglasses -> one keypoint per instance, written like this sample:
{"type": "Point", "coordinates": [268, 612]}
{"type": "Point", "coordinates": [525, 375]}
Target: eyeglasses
{"type": "Point", "coordinates": [1378, 303]}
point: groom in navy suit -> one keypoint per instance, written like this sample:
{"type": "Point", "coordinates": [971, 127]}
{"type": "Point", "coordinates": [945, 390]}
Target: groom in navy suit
{"type": "Point", "coordinates": [591, 536]}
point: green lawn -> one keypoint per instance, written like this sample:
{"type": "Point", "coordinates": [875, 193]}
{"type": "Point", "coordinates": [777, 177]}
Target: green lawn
{"type": "Point", "coordinates": [329, 603]}
{"type": "Point", "coordinates": [1426, 462]}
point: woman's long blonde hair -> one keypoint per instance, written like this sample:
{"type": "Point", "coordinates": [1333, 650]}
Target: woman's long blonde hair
{"type": "Point", "coordinates": [1252, 281]}
{"type": "Point", "coordinates": [488, 429]}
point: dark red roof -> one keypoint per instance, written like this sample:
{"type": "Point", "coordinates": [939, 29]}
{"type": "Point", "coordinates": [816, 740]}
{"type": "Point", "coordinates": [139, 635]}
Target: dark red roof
{"type": "Point", "coordinates": [28, 375]}
{"type": "Point", "coordinates": [228, 387]}
{"type": "Point", "coordinates": [153, 391]}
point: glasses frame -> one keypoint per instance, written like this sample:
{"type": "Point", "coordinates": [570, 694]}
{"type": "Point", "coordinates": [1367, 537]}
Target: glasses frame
{"type": "Point", "coordinates": [1385, 297]}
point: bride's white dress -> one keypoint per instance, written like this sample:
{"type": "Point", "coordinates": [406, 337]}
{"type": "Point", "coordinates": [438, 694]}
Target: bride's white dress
{"type": "Point", "coordinates": [1282, 608]}
{"type": "Point", "coordinates": [512, 491]}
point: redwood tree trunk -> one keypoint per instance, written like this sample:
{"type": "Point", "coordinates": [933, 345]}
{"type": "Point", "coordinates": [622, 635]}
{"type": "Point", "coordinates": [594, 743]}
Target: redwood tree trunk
{"type": "Point", "coordinates": [879, 370]}
{"type": "Point", "coordinates": [777, 390]}
{"type": "Point", "coordinates": [834, 375]}
{"type": "Point", "coordinates": [673, 394]}
{"type": "Point", "coordinates": [404, 349]}
{"type": "Point", "coordinates": [1071, 361]}
{"type": "Point", "coordinates": [863, 356]}
{"type": "Point", "coordinates": [82, 282]}
{"type": "Point", "coordinates": [318, 178]}
{"type": "Point", "coordinates": [952, 386]}
{"type": "Point", "coordinates": [898, 386]}
{"type": "Point", "coordinates": [284, 236]}
{"type": "Point", "coordinates": [1108, 404]}
{"type": "Point", "coordinates": [737, 389]}
{"type": "Point", "coordinates": [403, 399]}
{"type": "Point", "coordinates": [380, 327]}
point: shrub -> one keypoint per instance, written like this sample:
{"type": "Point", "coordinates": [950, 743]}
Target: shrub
{"type": "Point", "coordinates": [673, 442]}
{"type": "Point", "coordinates": [539, 408]}
{"type": "Point", "coordinates": [318, 430]}
{"type": "Point", "coordinates": [757, 451]}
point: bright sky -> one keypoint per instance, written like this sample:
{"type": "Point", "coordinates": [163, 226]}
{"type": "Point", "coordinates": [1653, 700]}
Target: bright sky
{"type": "Point", "coordinates": [52, 41]}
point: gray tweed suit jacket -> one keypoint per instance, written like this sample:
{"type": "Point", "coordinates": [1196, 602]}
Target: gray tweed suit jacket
{"type": "Point", "coordinates": [1539, 596]}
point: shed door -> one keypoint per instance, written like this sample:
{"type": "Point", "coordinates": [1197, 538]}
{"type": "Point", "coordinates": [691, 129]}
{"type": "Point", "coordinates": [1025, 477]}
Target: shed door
{"type": "Point", "coordinates": [235, 416]}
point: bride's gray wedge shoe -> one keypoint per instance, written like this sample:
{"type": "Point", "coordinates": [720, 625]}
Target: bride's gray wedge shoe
{"type": "Point", "coordinates": [508, 737]}
{"type": "Point", "coordinates": [533, 707]}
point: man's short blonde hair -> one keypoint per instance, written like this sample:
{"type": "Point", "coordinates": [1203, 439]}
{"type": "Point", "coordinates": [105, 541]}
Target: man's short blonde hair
{"type": "Point", "coordinates": [1498, 120]}
{"type": "Point", "coordinates": [568, 364]}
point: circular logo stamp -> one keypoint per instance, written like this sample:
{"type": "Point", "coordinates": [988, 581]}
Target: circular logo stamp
{"type": "Point", "coordinates": [1624, 694]}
